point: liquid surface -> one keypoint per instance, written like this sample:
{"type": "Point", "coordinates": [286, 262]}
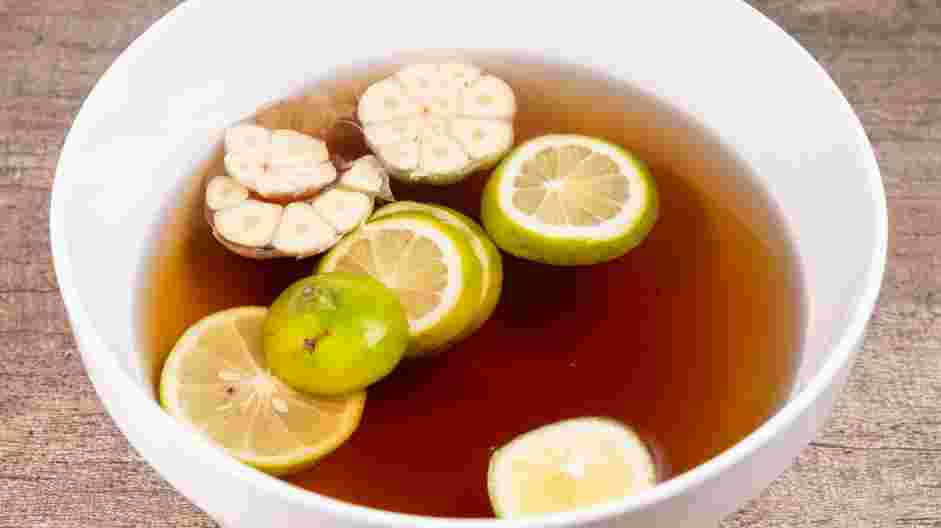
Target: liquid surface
{"type": "Point", "coordinates": [690, 338]}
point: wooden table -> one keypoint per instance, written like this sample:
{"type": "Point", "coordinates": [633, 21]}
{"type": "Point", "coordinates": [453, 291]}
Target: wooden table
{"type": "Point", "coordinates": [877, 464]}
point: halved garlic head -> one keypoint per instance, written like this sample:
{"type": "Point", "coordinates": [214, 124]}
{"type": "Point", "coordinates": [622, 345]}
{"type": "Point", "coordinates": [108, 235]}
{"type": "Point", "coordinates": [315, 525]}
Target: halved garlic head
{"type": "Point", "coordinates": [436, 123]}
{"type": "Point", "coordinates": [279, 164]}
{"type": "Point", "coordinates": [243, 219]}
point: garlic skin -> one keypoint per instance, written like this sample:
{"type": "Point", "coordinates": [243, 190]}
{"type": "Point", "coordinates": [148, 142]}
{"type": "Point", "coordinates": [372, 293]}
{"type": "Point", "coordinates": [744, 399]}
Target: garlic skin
{"type": "Point", "coordinates": [437, 123]}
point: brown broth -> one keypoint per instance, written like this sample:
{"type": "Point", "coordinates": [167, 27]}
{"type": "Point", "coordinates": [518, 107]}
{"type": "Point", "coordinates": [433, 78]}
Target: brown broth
{"type": "Point", "coordinates": [691, 338]}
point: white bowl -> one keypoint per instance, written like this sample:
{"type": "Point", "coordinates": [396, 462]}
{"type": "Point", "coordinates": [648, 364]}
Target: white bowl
{"type": "Point", "coordinates": [162, 105]}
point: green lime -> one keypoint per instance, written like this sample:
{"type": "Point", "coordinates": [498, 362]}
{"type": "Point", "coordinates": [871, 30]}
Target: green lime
{"type": "Point", "coordinates": [216, 382]}
{"type": "Point", "coordinates": [428, 263]}
{"type": "Point", "coordinates": [491, 264]}
{"type": "Point", "coordinates": [569, 200]}
{"type": "Point", "coordinates": [335, 333]}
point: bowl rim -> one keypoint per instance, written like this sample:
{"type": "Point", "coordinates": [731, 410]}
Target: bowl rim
{"type": "Point", "coordinates": [151, 412]}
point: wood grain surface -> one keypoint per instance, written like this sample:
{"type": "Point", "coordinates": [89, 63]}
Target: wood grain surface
{"type": "Point", "coordinates": [877, 464]}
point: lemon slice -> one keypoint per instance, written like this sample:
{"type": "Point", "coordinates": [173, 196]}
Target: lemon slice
{"type": "Point", "coordinates": [569, 200]}
{"type": "Point", "coordinates": [491, 280]}
{"type": "Point", "coordinates": [568, 465]}
{"type": "Point", "coordinates": [214, 381]}
{"type": "Point", "coordinates": [428, 263]}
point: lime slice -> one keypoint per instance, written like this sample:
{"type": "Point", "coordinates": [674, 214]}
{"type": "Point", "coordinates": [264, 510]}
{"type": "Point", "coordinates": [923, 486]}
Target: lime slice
{"type": "Point", "coordinates": [215, 382]}
{"type": "Point", "coordinates": [428, 263]}
{"type": "Point", "coordinates": [491, 280]}
{"type": "Point", "coordinates": [569, 200]}
{"type": "Point", "coordinates": [568, 465]}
